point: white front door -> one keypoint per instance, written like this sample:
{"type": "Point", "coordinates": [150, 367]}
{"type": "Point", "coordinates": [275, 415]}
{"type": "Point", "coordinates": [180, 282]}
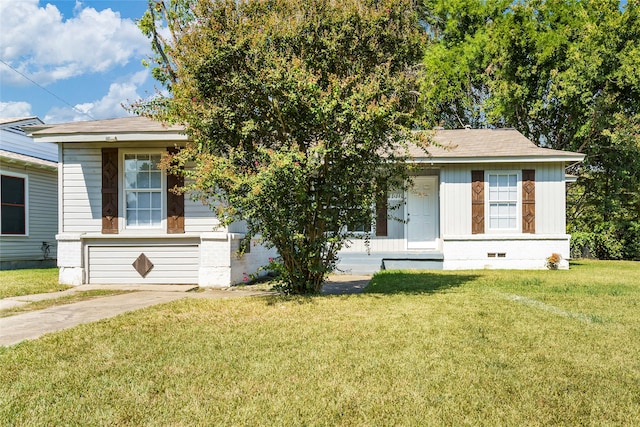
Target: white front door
{"type": "Point", "coordinates": [422, 213]}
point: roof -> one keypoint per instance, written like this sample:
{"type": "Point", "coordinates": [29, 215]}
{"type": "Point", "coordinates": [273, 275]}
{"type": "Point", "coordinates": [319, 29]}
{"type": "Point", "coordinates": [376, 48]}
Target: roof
{"type": "Point", "coordinates": [12, 157]}
{"type": "Point", "coordinates": [17, 124]}
{"type": "Point", "coordinates": [452, 146]}
{"type": "Point", "coordinates": [123, 129]}
{"type": "Point", "coordinates": [9, 120]}
{"type": "Point", "coordinates": [472, 145]}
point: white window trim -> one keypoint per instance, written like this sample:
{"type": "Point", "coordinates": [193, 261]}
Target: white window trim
{"type": "Point", "coordinates": [122, 210]}
{"type": "Point", "coordinates": [26, 203]}
{"type": "Point", "coordinates": [487, 201]}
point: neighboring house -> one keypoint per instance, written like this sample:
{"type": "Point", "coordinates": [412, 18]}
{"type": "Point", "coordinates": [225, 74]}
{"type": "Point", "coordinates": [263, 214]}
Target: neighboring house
{"type": "Point", "coordinates": [119, 221]}
{"type": "Point", "coordinates": [481, 199]}
{"type": "Point", "coordinates": [28, 196]}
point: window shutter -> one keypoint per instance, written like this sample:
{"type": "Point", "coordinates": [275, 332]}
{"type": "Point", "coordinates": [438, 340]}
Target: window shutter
{"type": "Point", "coordinates": [109, 191]}
{"type": "Point", "coordinates": [175, 202]}
{"type": "Point", "coordinates": [529, 201]}
{"type": "Point", "coordinates": [477, 202]}
{"type": "Point", "coordinates": [381, 211]}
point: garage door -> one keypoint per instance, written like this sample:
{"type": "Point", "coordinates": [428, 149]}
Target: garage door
{"type": "Point", "coordinates": [177, 264]}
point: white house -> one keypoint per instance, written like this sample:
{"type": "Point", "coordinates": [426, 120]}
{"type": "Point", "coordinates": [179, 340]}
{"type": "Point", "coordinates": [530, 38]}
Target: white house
{"type": "Point", "coordinates": [481, 199]}
{"type": "Point", "coordinates": [28, 196]}
{"type": "Point", "coordinates": [119, 221]}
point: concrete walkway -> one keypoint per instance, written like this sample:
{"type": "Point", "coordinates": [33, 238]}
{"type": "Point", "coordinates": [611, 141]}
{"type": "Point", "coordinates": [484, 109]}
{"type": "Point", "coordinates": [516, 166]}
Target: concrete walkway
{"type": "Point", "coordinates": [33, 324]}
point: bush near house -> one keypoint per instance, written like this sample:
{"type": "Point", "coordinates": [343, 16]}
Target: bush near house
{"type": "Point", "coordinates": [609, 240]}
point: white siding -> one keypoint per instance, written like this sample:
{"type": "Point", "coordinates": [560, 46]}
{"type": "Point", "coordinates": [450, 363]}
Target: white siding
{"type": "Point", "coordinates": [456, 196]}
{"type": "Point", "coordinates": [82, 189]}
{"type": "Point", "coordinates": [42, 215]}
{"type": "Point", "coordinates": [550, 199]}
{"type": "Point", "coordinates": [173, 264]}
{"type": "Point", "coordinates": [198, 218]}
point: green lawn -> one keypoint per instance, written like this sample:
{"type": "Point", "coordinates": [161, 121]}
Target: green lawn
{"type": "Point", "coordinates": [14, 283]}
{"type": "Point", "coordinates": [453, 348]}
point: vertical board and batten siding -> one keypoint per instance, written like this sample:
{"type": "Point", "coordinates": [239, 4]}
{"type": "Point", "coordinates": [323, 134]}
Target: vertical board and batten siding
{"type": "Point", "coordinates": [455, 212]}
{"type": "Point", "coordinates": [82, 189]}
{"type": "Point", "coordinates": [111, 263]}
{"type": "Point", "coordinates": [455, 199]}
{"type": "Point", "coordinates": [550, 199]}
{"type": "Point", "coordinates": [42, 205]}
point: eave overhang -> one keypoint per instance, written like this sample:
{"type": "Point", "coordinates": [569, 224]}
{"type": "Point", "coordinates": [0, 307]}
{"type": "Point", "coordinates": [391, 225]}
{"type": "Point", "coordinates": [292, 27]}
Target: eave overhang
{"type": "Point", "coordinates": [569, 158]}
{"type": "Point", "coordinates": [23, 160]}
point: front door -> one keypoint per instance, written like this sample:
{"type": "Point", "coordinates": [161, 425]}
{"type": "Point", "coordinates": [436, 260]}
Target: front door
{"type": "Point", "coordinates": [422, 213]}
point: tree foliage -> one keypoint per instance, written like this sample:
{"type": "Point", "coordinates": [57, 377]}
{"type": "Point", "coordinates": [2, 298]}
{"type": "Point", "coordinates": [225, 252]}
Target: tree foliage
{"type": "Point", "coordinates": [295, 110]}
{"type": "Point", "coordinates": [565, 73]}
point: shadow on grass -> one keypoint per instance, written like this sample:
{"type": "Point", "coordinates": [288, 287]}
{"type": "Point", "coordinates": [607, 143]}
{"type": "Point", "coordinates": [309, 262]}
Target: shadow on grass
{"type": "Point", "coordinates": [394, 282]}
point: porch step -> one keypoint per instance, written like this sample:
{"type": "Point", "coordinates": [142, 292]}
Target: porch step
{"type": "Point", "coordinates": [360, 263]}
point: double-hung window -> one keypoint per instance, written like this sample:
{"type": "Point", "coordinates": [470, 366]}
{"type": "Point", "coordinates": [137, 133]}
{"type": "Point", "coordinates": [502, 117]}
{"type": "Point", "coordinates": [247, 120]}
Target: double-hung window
{"type": "Point", "coordinates": [13, 206]}
{"type": "Point", "coordinates": [503, 200]}
{"type": "Point", "coordinates": [143, 190]}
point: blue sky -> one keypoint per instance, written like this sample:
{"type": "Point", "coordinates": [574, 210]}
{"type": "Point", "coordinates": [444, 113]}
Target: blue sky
{"type": "Point", "coordinates": [84, 57]}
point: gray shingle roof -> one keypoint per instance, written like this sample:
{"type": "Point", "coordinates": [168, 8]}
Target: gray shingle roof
{"type": "Point", "coordinates": [485, 143]}
{"type": "Point", "coordinates": [452, 145]}
{"type": "Point", "coordinates": [119, 125]}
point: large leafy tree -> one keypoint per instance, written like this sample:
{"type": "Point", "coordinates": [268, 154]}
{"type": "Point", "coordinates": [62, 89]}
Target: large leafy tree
{"type": "Point", "coordinates": [567, 75]}
{"type": "Point", "coordinates": [296, 111]}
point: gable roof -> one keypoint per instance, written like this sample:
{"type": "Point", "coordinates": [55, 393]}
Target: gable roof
{"type": "Point", "coordinates": [123, 129]}
{"type": "Point", "coordinates": [16, 124]}
{"type": "Point", "coordinates": [491, 145]}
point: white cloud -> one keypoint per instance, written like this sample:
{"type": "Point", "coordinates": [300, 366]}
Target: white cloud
{"type": "Point", "coordinates": [39, 42]}
{"type": "Point", "coordinates": [15, 109]}
{"type": "Point", "coordinates": [109, 106]}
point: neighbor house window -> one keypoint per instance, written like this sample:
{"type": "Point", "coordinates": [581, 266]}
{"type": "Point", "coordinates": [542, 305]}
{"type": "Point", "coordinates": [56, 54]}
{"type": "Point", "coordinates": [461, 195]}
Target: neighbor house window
{"type": "Point", "coordinates": [143, 190]}
{"type": "Point", "coordinates": [13, 209]}
{"type": "Point", "coordinates": [503, 201]}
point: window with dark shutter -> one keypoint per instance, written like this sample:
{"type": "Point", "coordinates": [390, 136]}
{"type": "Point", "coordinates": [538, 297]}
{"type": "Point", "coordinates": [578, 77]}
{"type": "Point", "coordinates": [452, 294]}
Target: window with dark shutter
{"type": "Point", "coordinates": [477, 202]}
{"type": "Point", "coordinates": [110, 191]}
{"type": "Point", "coordinates": [529, 201]}
{"type": "Point", "coordinates": [175, 202]}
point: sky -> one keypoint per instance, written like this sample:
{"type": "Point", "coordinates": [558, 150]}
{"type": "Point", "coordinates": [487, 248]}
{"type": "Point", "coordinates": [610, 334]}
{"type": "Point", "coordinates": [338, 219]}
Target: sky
{"type": "Point", "coordinates": [72, 60]}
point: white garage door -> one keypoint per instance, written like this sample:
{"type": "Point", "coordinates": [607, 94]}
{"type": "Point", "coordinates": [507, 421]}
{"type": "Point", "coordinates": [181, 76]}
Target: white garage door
{"type": "Point", "coordinates": [176, 264]}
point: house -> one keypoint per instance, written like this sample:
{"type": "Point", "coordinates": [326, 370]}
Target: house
{"type": "Point", "coordinates": [119, 221]}
{"type": "Point", "coordinates": [482, 198]}
{"type": "Point", "coordinates": [28, 197]}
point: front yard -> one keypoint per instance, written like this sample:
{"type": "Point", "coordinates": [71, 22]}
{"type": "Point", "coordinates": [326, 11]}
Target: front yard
{"type": "Point", "coordinates": [446, 348]}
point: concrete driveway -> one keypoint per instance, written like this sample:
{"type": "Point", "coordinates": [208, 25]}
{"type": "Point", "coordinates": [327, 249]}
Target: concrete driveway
{"type": "Point", "coordinates": [33, 324]}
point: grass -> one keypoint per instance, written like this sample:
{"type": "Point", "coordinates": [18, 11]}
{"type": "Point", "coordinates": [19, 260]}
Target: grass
{"type": "Point", "coordinates": [67, 299]}
{"type": "Point", "coordinates": [15, 283]}
{"type": "Point", "coordinates": [449, 348]}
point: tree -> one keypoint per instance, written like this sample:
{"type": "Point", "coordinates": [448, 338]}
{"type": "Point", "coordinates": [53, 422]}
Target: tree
{"type": "Point", "coordinates": [564, 73]}
{"type": "Point", "coordinates": [296, 111]}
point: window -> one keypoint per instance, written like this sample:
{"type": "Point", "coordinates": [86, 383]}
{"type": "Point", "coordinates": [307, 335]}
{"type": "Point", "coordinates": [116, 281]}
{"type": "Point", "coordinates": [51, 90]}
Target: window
{"type": "Point", "coordinates": [13, 211]}
{"type": "Point", "coordinates": [359, 228]}
{"type": "Point", "coordinates": [143, 190]}
{"type": "Point", "coordinates": [503, 201]}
